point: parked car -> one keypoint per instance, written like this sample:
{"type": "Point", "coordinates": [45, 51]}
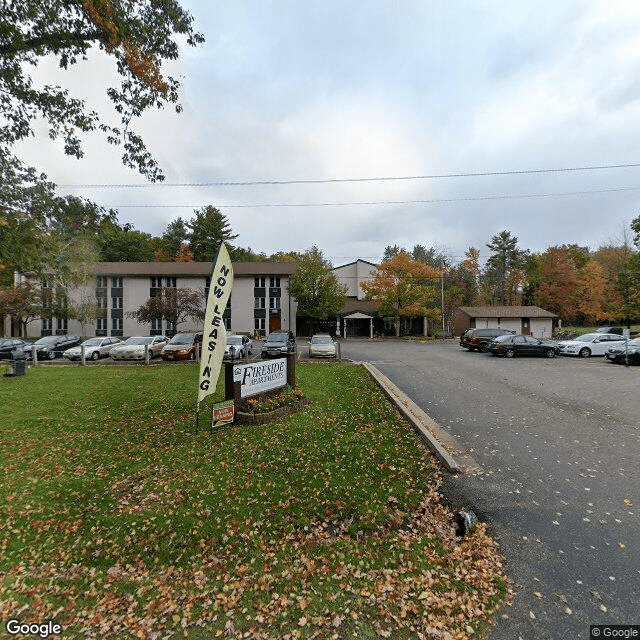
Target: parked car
{"type": "Point", "coordinates": [51, 347]}
{"type": "Point", "coordinates": [616, 330]}
{"type": "Point", "coordinates": [278, 342]}
{"type": "Point", "coordinates": [624, 352]}
{"type": "Point", "coordinates": [242, 346]}
{"type": "Point", "coordinates": [12, 348]}
{"type": "Point", "coordinates": [94, 349]}
{"type": "Point", "coordinates": [518, 345]}
{"type": "Point", "coordinates": [589, 344]}
{"type": "Point", "coordinates": [182, 346]}
{"type": "Point", "coordinates": [473, 339]}
{"type": "Point", "coordinates": [134, 348]}
{"type": "Point", "coordinates": [322, 346]}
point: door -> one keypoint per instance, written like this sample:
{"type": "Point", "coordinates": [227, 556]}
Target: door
{"type": "Point", "coordinates": [526, 330]}
{"type": "Point", "coordinates": [274, 323]}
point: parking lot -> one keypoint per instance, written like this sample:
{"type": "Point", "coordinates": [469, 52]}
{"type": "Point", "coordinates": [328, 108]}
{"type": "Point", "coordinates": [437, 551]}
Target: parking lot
{"type": "Point", "coordinates": [552, 449]}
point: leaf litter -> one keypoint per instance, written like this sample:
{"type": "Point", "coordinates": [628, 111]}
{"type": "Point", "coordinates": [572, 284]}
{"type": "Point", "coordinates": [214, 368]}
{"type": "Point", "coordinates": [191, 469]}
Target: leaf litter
{"type": "Point", "coordinates": [117, 521]}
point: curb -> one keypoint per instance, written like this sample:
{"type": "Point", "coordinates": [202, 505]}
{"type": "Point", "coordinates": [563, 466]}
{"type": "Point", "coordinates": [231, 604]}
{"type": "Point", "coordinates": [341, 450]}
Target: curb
{"type": "Point", "coordinates": [426, 427]}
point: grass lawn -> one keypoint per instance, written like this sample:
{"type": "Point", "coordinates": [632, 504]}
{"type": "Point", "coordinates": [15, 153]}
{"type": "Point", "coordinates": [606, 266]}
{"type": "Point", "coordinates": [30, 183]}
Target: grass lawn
{"type": "Point", "coordinates": [117, 521]}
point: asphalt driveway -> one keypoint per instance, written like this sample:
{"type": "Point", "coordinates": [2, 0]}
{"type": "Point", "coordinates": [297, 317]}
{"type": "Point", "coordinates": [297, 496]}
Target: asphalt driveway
{"type": "Point", "coordinates": [552, 449]}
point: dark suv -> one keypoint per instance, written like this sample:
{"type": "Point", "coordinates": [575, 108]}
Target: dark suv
{"type": "Point", "coordinates": [278, 343]}
{"type": "Point", "coordinates": [479, 339]}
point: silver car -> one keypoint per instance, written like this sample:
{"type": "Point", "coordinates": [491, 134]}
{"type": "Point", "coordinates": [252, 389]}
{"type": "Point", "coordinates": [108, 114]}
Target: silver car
{"type": "Point", "coordinates": [322, 346]}
{"type": "Point", "coordinates": [242, 346]}
{"type": "Point", "coordinates": [94, 349]}
{"type": "Point", "coordinates": [134, 348]}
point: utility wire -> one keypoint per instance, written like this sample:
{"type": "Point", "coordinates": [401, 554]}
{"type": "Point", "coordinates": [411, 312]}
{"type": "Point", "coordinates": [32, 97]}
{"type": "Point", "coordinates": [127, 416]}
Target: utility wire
{"type": "Point", "coordinates": [249, 183]}
{"type": "Point", "coordinates": [374, 202]}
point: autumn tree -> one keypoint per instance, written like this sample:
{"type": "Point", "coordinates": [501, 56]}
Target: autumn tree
{"type": "Point", "coordinates": [175, 305]}
{"type": "Point", "coordinates": [315, 286]}
{"type": "Point", "coordinates": [557, 289]}
{"type": "Point", "coordinates": [138, 37]}
{"type": "Point", "coordinates": [23, 302]}
{"type": "Point", "coordinates": [405, 288]}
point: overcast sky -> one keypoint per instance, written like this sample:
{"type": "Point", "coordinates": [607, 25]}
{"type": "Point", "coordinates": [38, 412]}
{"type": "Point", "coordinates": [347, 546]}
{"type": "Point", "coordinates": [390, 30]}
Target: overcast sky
{"type": "Point", "coordinates": [332, 90]}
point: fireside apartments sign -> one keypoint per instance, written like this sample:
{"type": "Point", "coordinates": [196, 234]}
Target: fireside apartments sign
{"type": "Point", "coordinates": [260, 377]}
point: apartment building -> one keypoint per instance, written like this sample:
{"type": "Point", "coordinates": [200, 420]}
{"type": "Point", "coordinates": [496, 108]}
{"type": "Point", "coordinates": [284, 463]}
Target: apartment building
{"type": "Point", "coordinates": [259, 303]}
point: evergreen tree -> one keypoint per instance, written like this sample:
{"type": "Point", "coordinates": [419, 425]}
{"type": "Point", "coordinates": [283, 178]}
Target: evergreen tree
{"type": "Point", "coordinates": [207, 229]}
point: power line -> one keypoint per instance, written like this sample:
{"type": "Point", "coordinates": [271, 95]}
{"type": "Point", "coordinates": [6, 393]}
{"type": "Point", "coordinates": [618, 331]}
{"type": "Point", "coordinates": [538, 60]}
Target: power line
{"type": "Point", "coordinates": [375, 202]}
{"type": "Point", "coordinates": [250, 183]}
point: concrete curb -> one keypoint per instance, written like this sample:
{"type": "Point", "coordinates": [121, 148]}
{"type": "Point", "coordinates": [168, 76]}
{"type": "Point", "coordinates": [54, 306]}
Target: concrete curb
{"type": "Point", "coordinates": [427, 428]}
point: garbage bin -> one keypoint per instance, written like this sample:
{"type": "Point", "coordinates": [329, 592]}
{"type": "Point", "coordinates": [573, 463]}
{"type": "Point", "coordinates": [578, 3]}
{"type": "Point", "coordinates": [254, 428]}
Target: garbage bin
{"type": "Point", "coordinates": [19, 367]}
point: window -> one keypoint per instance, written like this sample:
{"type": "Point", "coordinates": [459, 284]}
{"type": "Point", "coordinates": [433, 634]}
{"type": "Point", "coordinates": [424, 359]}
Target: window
{"type": "Point", "coordinates": [156, 324]}
{"type": "Point", "coordinates": [258, 324]}
{"type": "Point", "coordinates": [274, 282]}
{"type": "Point", "coordinates": [260, 282]}
{"type": "Point", "coordinates": [156, 282]}
{"type": "Point", "coordinates": [116, 282]}
{"type": "Point", "coordinates": [101, 282]}
{"type": "Point", "coordinates": [274, 303]}
{"type": "Point", "coordinates": [46, 324]}
{"type": "Point", "coordinates": [259, 303]}
{"type": "Point", "coordinates": [116, 303]}
{"type": "Point", "coordinates": [171, 282]}
{"type": "Point", "coordinates": [227, 323]}
{"type": "Point", "coordinates": [101, 302]}
{"type": "Point", "coordinates": [101, 324]}
{"type": "Point", "coordinates": [116, 324]}
{"type": "Point", "coordinates": [62, 325]}
{"type": "Point", "coordinates": [47, 283]}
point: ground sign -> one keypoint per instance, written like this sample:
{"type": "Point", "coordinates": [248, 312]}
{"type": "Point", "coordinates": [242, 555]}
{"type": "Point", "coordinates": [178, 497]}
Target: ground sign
{"type": "Point", "coordinates": [259, 377]}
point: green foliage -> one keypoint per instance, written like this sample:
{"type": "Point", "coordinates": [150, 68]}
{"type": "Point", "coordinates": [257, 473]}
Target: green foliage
{"type": "Point", "coordinates": [126, 244]}
{"type": "Point", "coordinates": [502, 274]}
{"type": "Point", "coordinates": [207, 229]}
{"type": "Point", "coordinates": [316, 288]}
{"type": "Point", "coordinates": [138, 37]}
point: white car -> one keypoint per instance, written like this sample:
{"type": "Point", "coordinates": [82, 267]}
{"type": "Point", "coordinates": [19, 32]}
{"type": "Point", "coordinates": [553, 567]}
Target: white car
{"type": "Point", "coordinates": [134, 348]}
{"type": "Point", "coordinates": [590, 344]}
{"type": "Point", "coordinates": [242, 346]}
{"type": "Point", "coordinates": [322, 346]}
{"type": "Point", "coordinates": [94, 348]}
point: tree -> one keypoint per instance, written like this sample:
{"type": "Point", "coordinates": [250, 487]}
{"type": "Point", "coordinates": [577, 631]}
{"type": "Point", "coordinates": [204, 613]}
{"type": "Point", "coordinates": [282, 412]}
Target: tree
{"type": "Point", "coordinates": [137, 36]}
{"type": "Point", "coordinates": [206, 229]}
{"type": "Point", "coordinates": [405, 288]}
{"type": "Point", "coordinates": [558, 283]}
{"type": "Point", "coordinates": [503, 276]}
{"type": "Point", "coordinates": [174, 305]}
{"type": "Point", "coordinates": [126, 244]}
{"type": "Point", "coordinates": [175, 236]}
{"type": "Point", "coordinates": [316, 288]}
{"type": "Point", "coordinates": [391, 252]}
{"type": "Point", "coordinates": [23, 302]}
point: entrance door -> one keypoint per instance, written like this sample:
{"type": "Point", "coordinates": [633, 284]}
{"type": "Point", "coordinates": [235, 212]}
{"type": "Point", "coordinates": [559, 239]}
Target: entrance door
{"type": "Point", "coordinates": [525, 327]}
{"type": "Point", "coordinates": [274, 323]}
